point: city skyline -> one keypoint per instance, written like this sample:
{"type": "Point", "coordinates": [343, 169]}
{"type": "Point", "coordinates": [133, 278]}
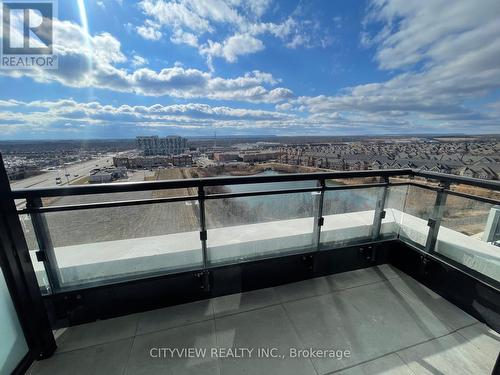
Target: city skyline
{"type": "Point", "coordinates": [262, 68]}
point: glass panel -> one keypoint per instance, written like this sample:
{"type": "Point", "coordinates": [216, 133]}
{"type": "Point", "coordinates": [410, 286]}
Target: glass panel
{"type": "Point", "coordinates": [246, 228]}
{"type": "Point", "coordinates": [13, 344]}
{"type": "Point", "coordinates": [29, 234]}
{"type": "Point", "coordinates": [469, 235]}
{"type": "Point", "coordinates": [117, 197]}
{"type": "Point", "coordinates": [419, 207]}
{"type": "Point", "coordinates": [394, 207]}
{"type": "Point", "coordinates": [245, 188]}
{"type": "Point", "coordinates": [348, 216]}
{"type": "Point", "coordinates": [93, 246]}
{"type": "Point", "coordinates": [354, 181]}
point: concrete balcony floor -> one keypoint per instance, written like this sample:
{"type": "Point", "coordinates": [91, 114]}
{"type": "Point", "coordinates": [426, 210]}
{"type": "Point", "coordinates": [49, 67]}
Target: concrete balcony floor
{"type": "Point", "coordinates": [390, 323]}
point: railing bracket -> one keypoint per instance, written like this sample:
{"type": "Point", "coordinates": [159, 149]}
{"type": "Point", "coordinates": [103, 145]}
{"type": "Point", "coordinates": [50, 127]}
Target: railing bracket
{"type": "Point", "coordinates": [424, 266]}
{"type": "Point", "coordinates": [204, 277]}
{"type": "Point", "coordinates": [41, 256]}
{"type": "Point", "coordinates": [309, 261]}
{"type": "Point", "coordinates": [369, 253]}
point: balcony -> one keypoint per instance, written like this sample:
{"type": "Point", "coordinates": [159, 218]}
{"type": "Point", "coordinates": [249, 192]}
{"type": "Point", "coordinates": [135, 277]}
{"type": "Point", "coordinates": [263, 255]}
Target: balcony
{"type": "Point", "coordinates": [388, 271]}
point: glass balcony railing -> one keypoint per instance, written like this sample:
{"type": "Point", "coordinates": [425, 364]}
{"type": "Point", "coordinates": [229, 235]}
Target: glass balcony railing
{"type": "Point", "coordinates": [125, 231]}
{"type": "Point", "coordinates": [246, 228]}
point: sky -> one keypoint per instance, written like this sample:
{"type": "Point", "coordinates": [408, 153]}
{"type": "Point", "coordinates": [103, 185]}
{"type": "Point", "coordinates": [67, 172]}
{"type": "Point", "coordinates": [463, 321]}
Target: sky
{"type": "Point", "coordinates": [263, 67]}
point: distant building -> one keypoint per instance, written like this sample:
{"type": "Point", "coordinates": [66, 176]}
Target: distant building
{"type": "Point", "coordinates": [246, 157]}
{"type": "Point", "coordinates": [224, 157]}
{"type": "Point", "coordinates": [154, 145]}
{"type": "Point", "coordinates": [135, 162]}
{"type": "Point", "coordinates": [106, 174]}
{"type": "Point", "coordinates": [255, 157]}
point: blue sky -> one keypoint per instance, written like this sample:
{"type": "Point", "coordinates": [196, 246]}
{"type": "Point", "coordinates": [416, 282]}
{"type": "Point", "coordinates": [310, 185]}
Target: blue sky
{"type": "Point", "coordinates": [192, 67]}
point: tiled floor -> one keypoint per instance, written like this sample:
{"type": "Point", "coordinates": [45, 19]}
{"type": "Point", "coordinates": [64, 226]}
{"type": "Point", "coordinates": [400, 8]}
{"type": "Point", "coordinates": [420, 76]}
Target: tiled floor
{"type": "Point", "coordinates": [389, 323]}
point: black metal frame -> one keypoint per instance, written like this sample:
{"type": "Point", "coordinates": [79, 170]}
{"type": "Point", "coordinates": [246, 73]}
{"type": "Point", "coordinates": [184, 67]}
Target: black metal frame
{"type": "Point", "coordinates": [20, 278]}
{"type": "Point", "coordinates": [199, 182]}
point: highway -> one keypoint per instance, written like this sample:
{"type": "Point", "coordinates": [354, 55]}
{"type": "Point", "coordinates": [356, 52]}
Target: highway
{"type": "Point", "coordinates": [48, 178]}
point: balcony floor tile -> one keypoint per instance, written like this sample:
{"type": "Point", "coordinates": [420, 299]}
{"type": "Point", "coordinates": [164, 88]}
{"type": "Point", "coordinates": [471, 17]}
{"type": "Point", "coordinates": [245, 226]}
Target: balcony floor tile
{"type": "Point", "coordinates": [370, 321]}
{"type": "Point", "coordinates": [241, 302]}
{"type": "Point", "coordinates": [451, 354]}
{"type": "Point", "coordinates": [109, 359]}
{"type": "Point", "coordinates": [95, 333]}
{"type": "Point", "coordinates": [389, 322]}
{"type": "Point", "coordinates": [361, 277]}
{"type": "Point", "coordinates": [303, 289]}
{"type": "Point", "coordinates": [200, 335]}
{"type": "Point", "coordinates": [388, 365]}
{"type": "Point", "coordinates": [483, 338]}
{"type": "Point", "coordinates": [432, 303]}
{"type": "Point", "coordinates": [263, 328]}
{"type": "Point", "coordinates": [174, 316]}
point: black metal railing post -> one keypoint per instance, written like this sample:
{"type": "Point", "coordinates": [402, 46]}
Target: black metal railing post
{"type": "Point", "coordinates": [318, 215]}
{"type": "Point", "coordinates": [379, 214]}
{"type": "Point", "coordinates": [20, 277]}
{"type": "Point", "coordinates": [46, 253]}
{"type": "Point", "coordinates": [437, 215]}
{"type": "Point", "coordinates": [203, 238]}
{"type": "Point", "coordinates": [496, 367]}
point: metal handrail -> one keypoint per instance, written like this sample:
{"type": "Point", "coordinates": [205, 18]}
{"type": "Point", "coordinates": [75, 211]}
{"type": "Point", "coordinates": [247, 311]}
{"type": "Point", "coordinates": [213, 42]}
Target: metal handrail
{"type": "Point", "coordinates": [185, 198]}
{"type": "Point", "coordinates": [453, 179]}
{"type": "Point", "coordinates": [121, 187]}
{"type": "Point", "coordinates": [241, 180]}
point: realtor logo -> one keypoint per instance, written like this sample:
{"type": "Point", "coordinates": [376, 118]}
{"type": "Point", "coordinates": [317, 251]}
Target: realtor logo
{"type": "Point", "coordinates": [28, 34]}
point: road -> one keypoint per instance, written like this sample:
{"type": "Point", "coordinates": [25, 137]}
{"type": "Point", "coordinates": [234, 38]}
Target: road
{"type": "Point", "coordinates": [48, 178]}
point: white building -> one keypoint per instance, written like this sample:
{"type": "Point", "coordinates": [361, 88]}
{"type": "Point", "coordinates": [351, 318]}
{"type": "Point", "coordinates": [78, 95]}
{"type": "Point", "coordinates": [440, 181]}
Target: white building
{"type": "Point", "coordinates": [107, 174]}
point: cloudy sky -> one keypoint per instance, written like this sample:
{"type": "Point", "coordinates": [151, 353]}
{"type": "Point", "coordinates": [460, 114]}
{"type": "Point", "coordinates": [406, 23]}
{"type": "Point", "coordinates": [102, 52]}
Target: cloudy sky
{"type": "Point", "coordinates": [192, 67]}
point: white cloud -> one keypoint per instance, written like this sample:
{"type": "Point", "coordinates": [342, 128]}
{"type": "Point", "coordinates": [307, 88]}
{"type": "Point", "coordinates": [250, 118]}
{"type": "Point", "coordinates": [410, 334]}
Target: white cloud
{"type": "Point", "coordinates": [138, 61]}
{"type": "Point", "coordinates": [236, 25]}
{"type": "Point", "coordinates": [284, 107]}
{"type": "Point", "coordinates": [234, 46]}
{"type": "Point", "coordinates": [436, 72]}
{"type": "Point", "coordinates": [431, 31]}
{"type": "Point", "coordinates": [443, 53]}
{"type": "Point", "coordinates": [61, 116]}
{"type": "Point", "coordinates": [149, 31]}
{"type": "Point", "coordinates": [91, 61]}
{"type": "Point", "coordinates": [50, 114]}
{"type": "Point", "coordinates": [257, 7]}
{"type": "Point", "coordinates": [183, 37]}
{"type": "Point", "coordinates": [297, 41]}
{"type": "Point", "coordinates": [176, 15]}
